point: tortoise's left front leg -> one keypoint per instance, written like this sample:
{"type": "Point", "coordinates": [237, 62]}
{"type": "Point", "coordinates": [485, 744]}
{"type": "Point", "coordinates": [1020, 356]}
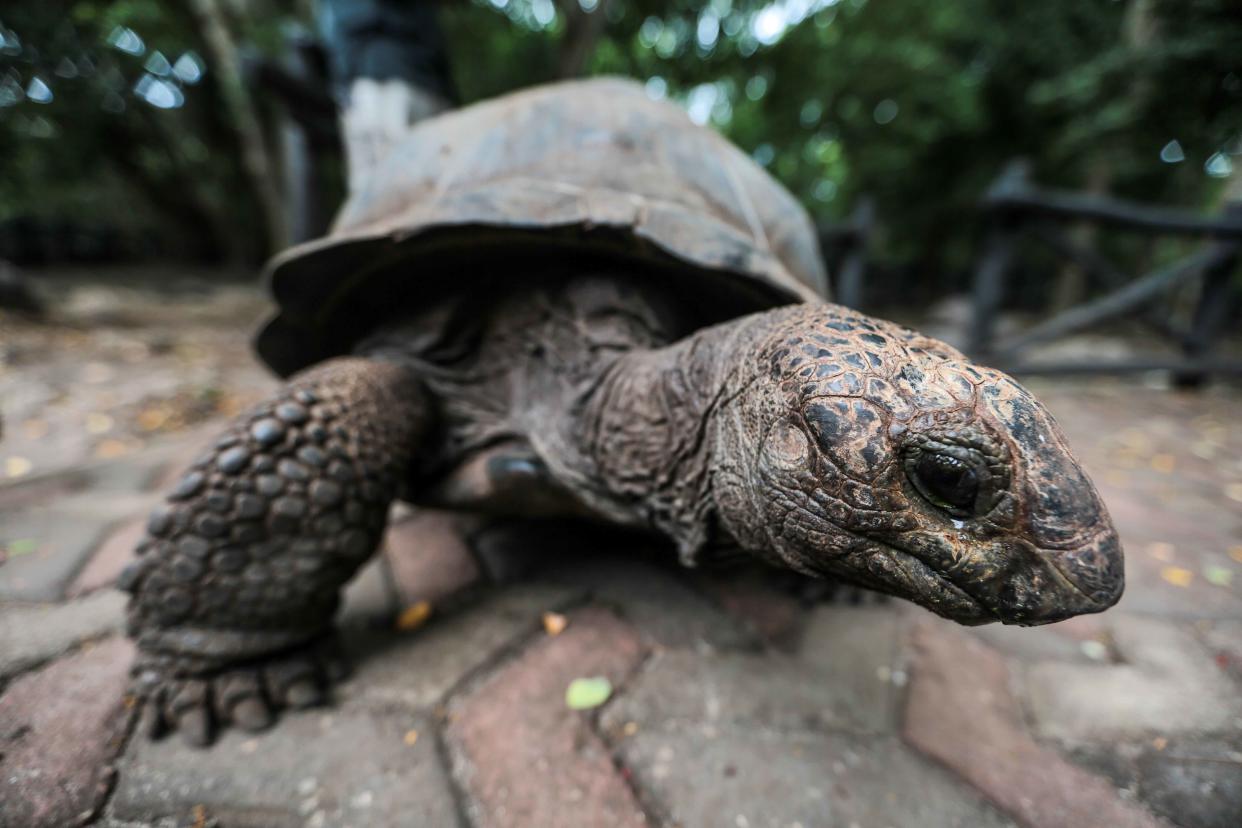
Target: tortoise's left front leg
{"type": "Point", "coordinates": [236, 584]}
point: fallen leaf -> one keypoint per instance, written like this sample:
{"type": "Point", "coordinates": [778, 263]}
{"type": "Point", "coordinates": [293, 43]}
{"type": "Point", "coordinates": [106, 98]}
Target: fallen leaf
{"type": "Point", "coordinates": [586, 693]}
{"type": "Point", "coordinates": [1161, 551]}
{"type": "Point", "coordinates": [151, 419]}
{"type": "Point", "coordinates": [1234, 492]}
{"type": "Point", "coordinates": [229, 405]}
{"type": "Point", "coordinates": [1218, 575]}
{"type": "Point", "coordinates": [1159, 743]}
{"type": "Point", "coordinates": [554, 623]}
{"type": "Point", "coordinates": [21, 546]}
{"type": "Point", "coordinates": [1135, 439]}
{"type": "Point", "coordinates": [630, 728]}
{"type": "Point", "coordinates": [107, 449]}
{"type": "Point", "coordinates": [1164, 463]}
{"type": "Point", "coordinates": [97, 423]}
{"type": "Point", "coordinates": [1094, 650]}
{"type": "Point", "coordinates": [414, 616]}
{"type": "Point", "coordinates": [411, 736]}
{"type": "Point", "coordinates": [1235, 552]}
{"type": "Point", "coordinates": [1177, 576]}
{"type": "Point", "coordinates": [17, 466]}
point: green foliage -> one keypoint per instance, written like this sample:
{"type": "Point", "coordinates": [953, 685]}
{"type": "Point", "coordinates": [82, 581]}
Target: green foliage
{"type": "Point", "coordinates": [916, 104]}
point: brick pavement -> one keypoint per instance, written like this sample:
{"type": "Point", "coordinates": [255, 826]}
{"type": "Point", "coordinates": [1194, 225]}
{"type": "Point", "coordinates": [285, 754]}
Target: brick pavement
{"type": "Point", "coordinates": [733, 705]}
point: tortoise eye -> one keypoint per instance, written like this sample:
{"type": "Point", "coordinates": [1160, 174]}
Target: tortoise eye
{"type": "Point", "coordinates": [947, 482]}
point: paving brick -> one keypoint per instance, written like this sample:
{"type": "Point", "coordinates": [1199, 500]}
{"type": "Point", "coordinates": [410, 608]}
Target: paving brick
{"type": "Point", "coordinates": [525, 757]}
{"type": "Point", "coordinates": [135, 472]}
{"type": "Point", "coordinates": [960, 711]}
{"type": "Point", "coordinates": [655, 600]}
{"type": "Point", "coordinates": [698, 778]}
{"type": "Point", "coordinates": [1197, 784]}
{"type": "Point", "coordinates": [1168, 684]}
{"type": "Point", "coordinates": [1224, 641]}
{"type": "Point", "coordinates": [1060, 642]}
{"type": "Point", "coordinates": [418, 669]}
{"type": "Point", "coordinates": [340, 768]}
{"type": "Point", "coordinates": [859, 648]}
{"type": "Point", "coordinates": [61, 543]}
{"type": "Point", "coordinates": [1193, 782]}
{"type": "Point", "coordinates": [41, 490]}
{"type": "Point", "coordinates": [31, 634]}
{"type": "Point", "coordinates": [429, 557]}
{"type": "Point", "coordinates": [773, 615]}
{"type": "Point", "coordinates": [370, 600]}
{"type": "Point", "coordinates": [106, 505]}
{"type": "Point", "coordinates": [59, 729]}
{"type": "Point", "coordinates": [841, 679]}
{"type": "Point", "coordinates": [1195, 531]}
{"type": "Point", "coordinates": [110, 557]}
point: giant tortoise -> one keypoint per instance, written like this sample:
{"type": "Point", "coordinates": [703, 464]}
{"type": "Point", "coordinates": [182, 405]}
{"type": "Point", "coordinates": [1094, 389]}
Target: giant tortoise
{"type": "Point", "coordinates": [574, 301]}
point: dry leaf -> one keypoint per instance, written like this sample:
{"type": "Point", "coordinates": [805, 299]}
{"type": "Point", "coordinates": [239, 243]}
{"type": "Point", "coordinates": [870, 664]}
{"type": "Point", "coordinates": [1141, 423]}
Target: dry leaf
{"type": "Point", "coordinates": [98, 423]}
{"type": "Point", "coordinates": [17, 466]}
{"type": "Point", "coordinates": [151, 419]}
{"type": "Point", "coordinates": [1177, 576]}
{"type": "Point", "coordinates": [108, 449]}
{"type": "Point", "coordinates": [1164, 463]}
{"type": "Point", "coordinates": [414, 616]}
{"type": "Point", "coordinates": [554, 623]}
{"type": "Point", "coordinates": [1161, 551]}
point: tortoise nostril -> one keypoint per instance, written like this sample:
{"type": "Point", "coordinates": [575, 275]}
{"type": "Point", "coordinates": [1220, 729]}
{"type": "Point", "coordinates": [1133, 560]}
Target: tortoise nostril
{"type": "Point", "coordinates": [1096, 569]}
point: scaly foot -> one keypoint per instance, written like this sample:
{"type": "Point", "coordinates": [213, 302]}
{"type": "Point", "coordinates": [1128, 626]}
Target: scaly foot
{"type": "Point", "coordinates": [179, 695]}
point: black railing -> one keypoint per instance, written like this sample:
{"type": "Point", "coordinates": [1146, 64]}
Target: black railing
{"type": "Point", "coordinates": [844, 247]}
{"type": "Point", "coordinates": [1017, 209]}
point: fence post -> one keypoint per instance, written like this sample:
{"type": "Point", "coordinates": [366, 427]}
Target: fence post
{"type": "Point", "coordinates": [850, 281]}
{"type": "Point", "coordinates": [1212, 311]}
{"type": "Point", "coordinates": [989, 282]}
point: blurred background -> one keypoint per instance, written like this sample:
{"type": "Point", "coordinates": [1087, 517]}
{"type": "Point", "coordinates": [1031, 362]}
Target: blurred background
{"type": "Point", "coordinates": [976, 168]}
{"type": "Point", "coordinates": [142, 130]}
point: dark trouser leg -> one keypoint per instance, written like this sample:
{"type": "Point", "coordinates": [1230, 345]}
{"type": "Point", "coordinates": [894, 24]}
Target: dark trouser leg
{"type": "Point", "coordinates": [237, 581]}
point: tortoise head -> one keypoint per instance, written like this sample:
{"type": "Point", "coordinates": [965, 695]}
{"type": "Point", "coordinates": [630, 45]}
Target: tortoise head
{"type": "Point", "coordinates": [866, 452]}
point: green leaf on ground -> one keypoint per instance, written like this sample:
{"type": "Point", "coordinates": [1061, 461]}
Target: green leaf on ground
{"type": "Point", "coordinates": [585, 693]}
{"type": "Point", "coordinates": [21, 546]}
{"type": "Point", "coordinates": [1218, 575]}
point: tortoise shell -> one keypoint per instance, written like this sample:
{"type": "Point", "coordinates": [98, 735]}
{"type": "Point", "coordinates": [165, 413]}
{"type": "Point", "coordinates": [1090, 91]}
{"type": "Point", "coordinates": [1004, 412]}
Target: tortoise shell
{"type": "Point", "coordinates": [588, 168]}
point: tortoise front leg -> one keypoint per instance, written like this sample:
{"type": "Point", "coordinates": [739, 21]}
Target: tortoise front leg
{"type": "Point", "coordinates": [237, 581]}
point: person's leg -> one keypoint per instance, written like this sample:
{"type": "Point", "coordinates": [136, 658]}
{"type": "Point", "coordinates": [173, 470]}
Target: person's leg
{"type": "Point", "coordinates": [389, 70]}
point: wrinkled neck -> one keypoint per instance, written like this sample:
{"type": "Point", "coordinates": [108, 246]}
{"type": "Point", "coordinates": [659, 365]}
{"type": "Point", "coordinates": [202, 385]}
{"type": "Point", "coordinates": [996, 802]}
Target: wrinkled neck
{"type": "Point", "coordinates": [648, 432]}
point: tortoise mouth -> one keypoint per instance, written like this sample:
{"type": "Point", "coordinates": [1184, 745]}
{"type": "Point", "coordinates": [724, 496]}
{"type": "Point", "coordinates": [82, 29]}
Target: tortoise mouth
{"type": "Point", "coordinates": [1015, 583]}
{"type": "Point", "coordinates": [905, 575]}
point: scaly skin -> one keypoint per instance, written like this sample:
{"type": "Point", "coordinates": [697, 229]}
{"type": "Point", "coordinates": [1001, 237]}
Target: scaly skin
{"type": "Point", "coordinates": [813, 437]}
{"type": "Point", "coordinates": [237, 581]}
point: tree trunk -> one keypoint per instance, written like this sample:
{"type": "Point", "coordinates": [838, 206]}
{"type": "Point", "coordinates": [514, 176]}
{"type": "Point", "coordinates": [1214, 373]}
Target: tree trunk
{"type": "Point", "coordinates": [260, 172]}
{"type": "Point", "coordinates": [582, 31]}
